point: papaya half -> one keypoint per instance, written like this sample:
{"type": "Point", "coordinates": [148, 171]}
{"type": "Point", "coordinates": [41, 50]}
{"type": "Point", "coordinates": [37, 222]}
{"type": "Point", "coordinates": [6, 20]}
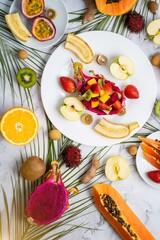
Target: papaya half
{"type": "Point", "coordinates": [115, 8]}
{"type": "Point", "coordinates": [116, 211]}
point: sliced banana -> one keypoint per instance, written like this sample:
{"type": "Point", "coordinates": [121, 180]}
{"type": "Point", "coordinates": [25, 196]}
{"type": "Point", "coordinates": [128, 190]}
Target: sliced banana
{"type": "Point", "coordinates": [114, 130]}
{"type": "Point", "coordinates": [17, 27]}
{"type": "Point", "coordinates": [79, 47]}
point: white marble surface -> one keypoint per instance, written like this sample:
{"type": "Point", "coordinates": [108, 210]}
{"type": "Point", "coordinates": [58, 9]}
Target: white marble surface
{"type": "Point", "coordinates": [143, 199]}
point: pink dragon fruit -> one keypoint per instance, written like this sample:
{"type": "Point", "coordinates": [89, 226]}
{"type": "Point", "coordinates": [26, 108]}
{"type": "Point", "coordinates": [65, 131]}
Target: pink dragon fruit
{"type": "Point", "coordinates": [49, 200]}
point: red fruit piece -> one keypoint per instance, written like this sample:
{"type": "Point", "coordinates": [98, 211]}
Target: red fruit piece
{"type": "Point", "coordinates": [95, 88]}
{"type": "Point", "coordinates": [117, 105]}
{"type": "Point", "coordinates": [103, 106]}
{"type": "Point", "coordinates": [154, 175]}
{"type": "Point", "coordinates": [131, 91]}
{"type": "Point", "coordinates": [68, 84]}
{"type": "Point", "coordinates": [108, 88]}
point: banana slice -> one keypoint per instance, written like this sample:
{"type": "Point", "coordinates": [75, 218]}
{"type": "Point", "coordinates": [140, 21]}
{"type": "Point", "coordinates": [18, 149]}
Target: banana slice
{"type": "Point", "coordinates": [17, 27]}
{"type": "Point", "coordinates": [114, 130]}
{"type": "Point", "coordinates": [79, 47]}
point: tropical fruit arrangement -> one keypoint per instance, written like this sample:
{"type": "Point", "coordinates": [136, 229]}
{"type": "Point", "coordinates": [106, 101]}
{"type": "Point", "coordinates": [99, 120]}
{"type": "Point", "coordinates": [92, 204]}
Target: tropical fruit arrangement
{"type": "Point", "coordinates": [42, 29]}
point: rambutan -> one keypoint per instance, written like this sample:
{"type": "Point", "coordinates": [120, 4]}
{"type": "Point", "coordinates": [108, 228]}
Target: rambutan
{"type": "Point", "coordinates": [135, 22]}
{"type": "Point", "coordinates": [71, 156]}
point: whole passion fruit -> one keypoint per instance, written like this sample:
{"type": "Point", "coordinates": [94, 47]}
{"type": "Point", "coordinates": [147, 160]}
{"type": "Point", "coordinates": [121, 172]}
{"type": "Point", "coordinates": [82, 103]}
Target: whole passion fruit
{"type": "Point", "coordinates": [32, 8]}
{"type": "Point", "coordinates": [43, 29]}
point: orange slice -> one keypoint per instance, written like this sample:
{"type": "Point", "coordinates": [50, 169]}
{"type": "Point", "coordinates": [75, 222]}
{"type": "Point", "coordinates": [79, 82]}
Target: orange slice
{"type": "Point", "coordinates": [19, 126]}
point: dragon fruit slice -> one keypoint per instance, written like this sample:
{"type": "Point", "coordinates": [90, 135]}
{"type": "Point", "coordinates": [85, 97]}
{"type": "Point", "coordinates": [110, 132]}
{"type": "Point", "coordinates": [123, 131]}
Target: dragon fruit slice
{"type": "Point", "coordinates": [49, 200]}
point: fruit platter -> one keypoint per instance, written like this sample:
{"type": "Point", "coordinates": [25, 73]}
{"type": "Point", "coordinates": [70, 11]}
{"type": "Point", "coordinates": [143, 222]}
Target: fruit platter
{"type": "Point", "coordinates": [94, 99]}
{"type": "Point", "coordinates": [52, 14]}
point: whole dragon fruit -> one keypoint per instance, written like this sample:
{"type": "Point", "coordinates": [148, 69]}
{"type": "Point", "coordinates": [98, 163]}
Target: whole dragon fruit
{"type": "Point", "coordinates": [49, 200]}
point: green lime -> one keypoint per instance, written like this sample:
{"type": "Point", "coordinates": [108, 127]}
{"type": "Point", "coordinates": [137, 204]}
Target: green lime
{"type": "Point", "coordinates": [26, 77]}
{"type": "Point", "coordinates": [157, 108]}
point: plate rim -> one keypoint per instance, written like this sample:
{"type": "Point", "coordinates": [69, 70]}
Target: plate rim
{"type": "Point", "coordinates": [131, 42]}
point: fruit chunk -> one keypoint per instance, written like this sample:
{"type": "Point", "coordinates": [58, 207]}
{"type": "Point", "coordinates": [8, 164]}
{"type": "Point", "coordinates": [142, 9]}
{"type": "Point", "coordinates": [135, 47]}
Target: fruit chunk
{"type": "Point", "coordinates": [122, 67]}
{"type": "Point", "coordinates": [49, 200]}
{"type": "Point", "coordinates": [116, 168]}
{"type": "Point", "coordinates": [151, 142]}
{"type": "Point", "coordinates": [68, 84]}
{"type": "Point", "coordinates": [154, 176]}
{"type": "Point", "coordinates": [72, 108]}
{"type": "Point", "coordinates": [131, 92]}
{"type": "Point", "coordinates": [150, 150]}
{"type": "Point", "coordinates": [153, 31]}
{"type": "Point", "coordinates": [79, 47]}
{"type": "Point", "coordinates": [116, 211]}
{"type": "Point", "coordinates": [152, 160]}
{"type": "Point", "coordinates": [17, 27]}
{"type": "Point", "coordinates": [26, 77]}
{"type": "Point", "coordinates": [33, 168]}
{"type": "Point", "coordinates": [43, 29]}
{"type": "Point", "coordinates": [19, 126]}
{"type": "Point", "coordinates": [114, 130]}
{"type": "Point", "coordinates": [32, 9]}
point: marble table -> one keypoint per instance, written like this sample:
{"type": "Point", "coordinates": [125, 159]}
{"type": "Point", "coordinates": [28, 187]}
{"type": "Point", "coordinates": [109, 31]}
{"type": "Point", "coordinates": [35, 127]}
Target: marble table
{"type": "Point", "coordinates": [82, 221]}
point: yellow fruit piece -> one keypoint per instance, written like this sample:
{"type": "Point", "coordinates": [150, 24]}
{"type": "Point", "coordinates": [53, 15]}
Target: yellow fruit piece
{"type": "Point", "coordinates": [17, 27]}
{"type": "Point", "coordinates": [19, 126]}
{"type": "Point", "coordinates": [114, 130]}
{"type": "Point", "coordinates": [79, 47]}
{"type": "Point", "coordinates": [104, 97]}
{"type": "Point", "coordinates": [102, 92]}
{"type": "Point", "coordinates": [91, 81]}
{"type": "Point", "coordinates": [94, 104]}
{"type": "Point", "coordinates": [95, 95]}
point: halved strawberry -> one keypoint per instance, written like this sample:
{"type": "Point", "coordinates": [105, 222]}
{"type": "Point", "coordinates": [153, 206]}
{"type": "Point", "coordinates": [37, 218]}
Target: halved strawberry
{"type": "Point", "coordinates": [108, 88]}
{"type": "Point", "coordinates": [117, 105]}
{"type": "Point", "coordinates": [131, 91]}
{"type": "Point", "coordinates": [154, 175]}
{"type": "Point", "coordinates": [68, 84]}
{"type": "Point", "coordinates": [95, 88]}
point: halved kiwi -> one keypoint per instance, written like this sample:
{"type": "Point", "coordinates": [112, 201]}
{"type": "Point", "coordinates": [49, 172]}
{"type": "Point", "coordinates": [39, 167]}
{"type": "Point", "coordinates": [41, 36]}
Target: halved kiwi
{"type": "Point", "coordinates": [26, 77]}
{"type": "Point", "coordinates": [157, 108]}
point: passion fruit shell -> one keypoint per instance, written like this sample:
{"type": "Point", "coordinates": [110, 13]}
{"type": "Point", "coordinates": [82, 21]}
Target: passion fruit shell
{"type": "Point", "coordinates": [32, 8]}
{"type": "Point", "coordinates": [43, 29]}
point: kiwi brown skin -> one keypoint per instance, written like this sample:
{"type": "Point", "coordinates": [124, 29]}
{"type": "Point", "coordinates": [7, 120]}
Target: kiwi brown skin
{"type": "Point", "coordinates": [33, 168]}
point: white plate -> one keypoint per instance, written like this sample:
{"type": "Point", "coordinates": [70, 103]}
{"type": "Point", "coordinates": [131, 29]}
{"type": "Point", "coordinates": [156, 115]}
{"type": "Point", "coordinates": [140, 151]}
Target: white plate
{"type": "Point", "coordinates": [144, 166]}
{"type": "Point", "coordinates": [60, 22]}
{"type": "Point", "coordinates": [111, 45]}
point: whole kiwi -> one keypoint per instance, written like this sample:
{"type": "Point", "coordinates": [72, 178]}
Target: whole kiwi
{"type": "Point", "coordinates": [33, 168]}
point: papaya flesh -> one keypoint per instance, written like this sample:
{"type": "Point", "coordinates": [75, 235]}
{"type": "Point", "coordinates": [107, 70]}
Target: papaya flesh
{"type": "Point", "coordinates": [151, 142]}
{"type": "Point", "coordinates": [116, 211]}
{"type": "Point", "coordinates": [115, 8]}
{"type": "Point", "coordinates": [150, 150]}
{"type": "Point", "coordinates": [152, 160]}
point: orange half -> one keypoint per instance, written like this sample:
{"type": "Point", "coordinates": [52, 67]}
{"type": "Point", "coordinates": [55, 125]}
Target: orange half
{"type": "Point", "coordinates": [19, 126]}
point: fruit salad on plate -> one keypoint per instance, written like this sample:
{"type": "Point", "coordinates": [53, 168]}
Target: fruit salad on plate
{"type": "Point", "coordinates": [99, 95]}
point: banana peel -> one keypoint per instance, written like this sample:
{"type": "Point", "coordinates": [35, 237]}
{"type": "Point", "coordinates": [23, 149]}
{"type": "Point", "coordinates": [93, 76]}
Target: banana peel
{"type": "Point", "coordinates": [17, 27]}
{"type": "Point", "coordinates": [79, 47]}
{"type": "Point", "coordinates": [114, 130]}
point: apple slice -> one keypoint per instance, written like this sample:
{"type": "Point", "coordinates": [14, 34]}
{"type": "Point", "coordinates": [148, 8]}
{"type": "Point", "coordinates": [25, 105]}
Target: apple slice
{"type": "Point", "coordinates": [153, 31]}
{"type": "Point", "coordinates": [116, 168]}
{"type": "Point", "coordinates": [122, 67]}
{"type": "Point", "coordinates": [72, 108]}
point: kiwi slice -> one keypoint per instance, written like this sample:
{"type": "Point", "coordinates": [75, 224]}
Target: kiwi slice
{"type": "Point", "coordinates": [157, 108]}
{"type": "Point", "coordinates": [26, 77]}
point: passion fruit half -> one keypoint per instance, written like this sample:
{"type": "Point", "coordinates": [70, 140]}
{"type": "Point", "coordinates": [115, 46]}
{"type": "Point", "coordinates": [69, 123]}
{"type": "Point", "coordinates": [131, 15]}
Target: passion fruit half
{"type": "Point", "coordinates": [32, 8]}
{"type": "Point", "coordinates": [43, 29]}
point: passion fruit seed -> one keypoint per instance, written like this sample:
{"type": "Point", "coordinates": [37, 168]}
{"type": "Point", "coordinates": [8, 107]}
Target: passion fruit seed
{"type": "Point", "coordinates": [101, 60]}
{"type": "Point", "coordinates": [55, 134]}
{"type": "Point", "coordinates": [87, 119]}
{"type": "Point", "coordinates": [22, 54]}
{"type": "Point", "coordinates": [132, 150]}
{"type": "Point", "coordinates": [51, 14]}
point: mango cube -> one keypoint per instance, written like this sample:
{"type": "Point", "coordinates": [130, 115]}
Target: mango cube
{"type": "Point", "coordinates": [104, 97]}
{"type": "Point", "coordinates": [94, 104]}
{"type": "Point", "coordinates": [91, 81]}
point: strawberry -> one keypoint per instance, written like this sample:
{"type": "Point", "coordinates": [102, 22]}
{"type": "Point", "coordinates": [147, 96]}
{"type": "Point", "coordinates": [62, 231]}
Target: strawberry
{"type": "Point", "coordinates": [95, 88]}
{"type": "Point", "coordinates": [103, 106]}
{"type": "Point", "coordinates": [117, 105]}
{"type": "Point", "coordinates": [68, 84]}
{"type": "Point", "coordinates": [154, 175]}
{"type": "Point", "coordinates": [108, 88]}
{"type": "Point", "coordinates": [131, 91]}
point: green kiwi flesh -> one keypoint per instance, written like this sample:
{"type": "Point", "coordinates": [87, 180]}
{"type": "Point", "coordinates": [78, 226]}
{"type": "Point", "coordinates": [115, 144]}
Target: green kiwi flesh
{"type": "Point", "coordinates": [26, 77]}
{"type": "Point", "coordinates": [157, 108]}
